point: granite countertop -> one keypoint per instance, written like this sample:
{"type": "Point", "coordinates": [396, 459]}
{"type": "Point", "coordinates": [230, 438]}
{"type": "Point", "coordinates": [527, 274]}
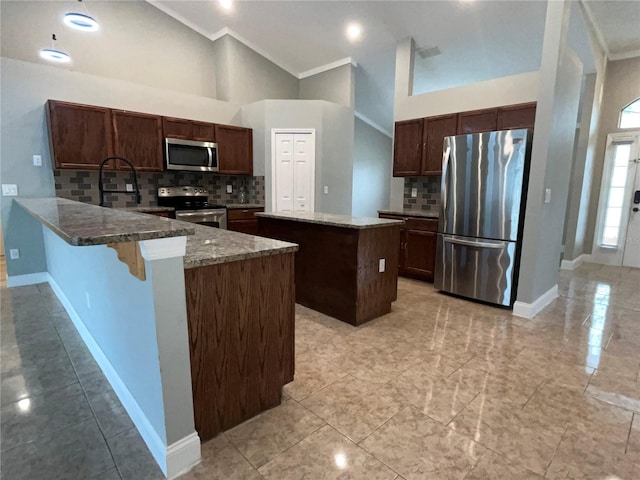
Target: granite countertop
{"type": "Point", "coordinates": [239, 206]}
{"type": "Point", "coordinates": [210, 246]}
{"type": "Point", "coordinates": [147, 209]}
{"type": "Point", "coordinates": [412, 213]}
{"type": "Point", "coordinates": [333, 220]}
{"type": "Point", "coordinates": [82, 224]}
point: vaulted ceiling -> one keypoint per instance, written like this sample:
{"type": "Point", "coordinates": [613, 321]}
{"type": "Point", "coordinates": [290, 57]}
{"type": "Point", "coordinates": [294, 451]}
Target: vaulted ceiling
{"type": "Point", "coordinates": [476, 40]}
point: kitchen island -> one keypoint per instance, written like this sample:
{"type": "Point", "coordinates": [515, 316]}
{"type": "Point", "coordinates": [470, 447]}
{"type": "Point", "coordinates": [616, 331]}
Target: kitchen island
{"type": "Point", "coordinates": [192, 326]}
{"type": "Point", "coordinates": [346, 267]}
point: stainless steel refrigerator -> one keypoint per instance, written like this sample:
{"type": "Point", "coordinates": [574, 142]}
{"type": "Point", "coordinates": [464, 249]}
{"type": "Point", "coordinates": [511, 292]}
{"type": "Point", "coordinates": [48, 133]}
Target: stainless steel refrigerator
{"type": "Point", "coordinates": [483, 196]}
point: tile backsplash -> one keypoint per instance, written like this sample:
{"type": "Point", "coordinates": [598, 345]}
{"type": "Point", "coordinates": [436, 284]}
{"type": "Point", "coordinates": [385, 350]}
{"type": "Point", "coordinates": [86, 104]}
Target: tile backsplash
{"type": "Point", "coordinates": [428, 193]}
{"type": "Point", "coordinates": [82, 185]}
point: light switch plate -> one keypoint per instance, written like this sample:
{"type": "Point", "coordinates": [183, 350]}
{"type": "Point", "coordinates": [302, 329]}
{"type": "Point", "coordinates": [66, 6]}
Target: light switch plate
{"type": "Point", "coordinates": [229, 188]}
{"type": "Point", "coordinates": [414, 192]}
{"type": "Point", "coordinates": [129, 187]}
{"type": "Point", "coordinates": [37, 161]}
{"type": "Point", "coordinates": [14, 254]}
{"type": "Point", "coordinates": [547, 195]}
{"type": "Point", "coordinates": [9, 190]}
{"type": "Point", "coordinates": [382, 265]}
{"type": "Point", "coordinates": [326, 189]}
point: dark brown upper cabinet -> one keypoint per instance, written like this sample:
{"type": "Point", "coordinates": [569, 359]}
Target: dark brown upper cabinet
{"type": "Point", "coordinates": [79, 135]}
{"type": "Point", "coordinates": [407, 148]}
{"type": "Point", "coordinates": [188, 129]}
{"type": "Point", "coordinates": [517, 116]}
{"type": "Point", "coordinates": [478, 121]}
{"type": "Point", "coordinates": [235, 150]}
{"type": "Point", "coordinates": [203, 132]}
{"type": "Point", "coordinates": [433, 134]}
{"type": "Point", "coordinates": [177, 128]}
{"type": "Point", "coordinates": [138, 138]}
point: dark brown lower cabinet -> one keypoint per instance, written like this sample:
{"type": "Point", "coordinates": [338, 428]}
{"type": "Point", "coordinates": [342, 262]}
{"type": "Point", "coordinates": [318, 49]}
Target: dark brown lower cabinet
{"type": "Point", "coordinates": [337, 268]}
{"type": "Point", "coordinates": [418, 239]}
{"type": "Point", "coordinates": [241, 338]}
{"type": "Point", "coordinates": [243, 220]}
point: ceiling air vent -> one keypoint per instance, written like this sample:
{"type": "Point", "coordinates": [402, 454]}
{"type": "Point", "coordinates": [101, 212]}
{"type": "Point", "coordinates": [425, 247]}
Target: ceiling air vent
{"type": "Point", "coordinates": [427, 52]}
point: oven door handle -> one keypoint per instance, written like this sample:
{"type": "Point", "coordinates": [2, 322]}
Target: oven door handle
{"type": "Point", "coordinates": [196, 214]}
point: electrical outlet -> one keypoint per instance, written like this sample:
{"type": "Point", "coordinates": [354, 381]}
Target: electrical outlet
{"type": "Point", "coordinates": [9, 190]}
{"type": "Point", "coordinates": [414, 192]}
{"type": "Point", "coordinates": [129, 187]}
{"type": "Point", "coordinates": [326, 189]}
{"type": "Point", "coordinates": [37, 161]}
{"type": "Point", "coordinates": [229, 188]}
{"type": "Point", "coordinates": [382, 265]}
{"type": "Point", "coordinates": [547, 195]}
{"type": "Point", "coordinates": [14, 254]}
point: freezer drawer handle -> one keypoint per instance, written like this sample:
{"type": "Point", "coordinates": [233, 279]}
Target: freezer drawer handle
{"type": "Point", "coordinates": [474, 244]}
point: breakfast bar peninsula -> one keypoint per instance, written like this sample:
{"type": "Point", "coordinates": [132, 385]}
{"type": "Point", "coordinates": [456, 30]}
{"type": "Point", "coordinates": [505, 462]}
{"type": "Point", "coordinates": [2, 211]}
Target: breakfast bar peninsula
{"type": "Point", "coordinates": [193, 326]}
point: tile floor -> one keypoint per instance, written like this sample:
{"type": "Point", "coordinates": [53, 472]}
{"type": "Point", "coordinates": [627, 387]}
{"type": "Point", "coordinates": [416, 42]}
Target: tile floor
{"type": "Point", "coordinates": [441, 388]}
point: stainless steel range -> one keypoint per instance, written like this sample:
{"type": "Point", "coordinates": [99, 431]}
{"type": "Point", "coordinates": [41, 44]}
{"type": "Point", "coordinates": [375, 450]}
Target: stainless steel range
{"type": "Point", "coordinates": [192, 205]}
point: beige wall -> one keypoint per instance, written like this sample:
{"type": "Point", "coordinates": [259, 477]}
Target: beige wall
{"type": "Point", "coordinates": [551, 158]}
{"type": "Point", "coordinates": [621, 87]}
{"type": "Point", "coordinates": [136, 43]}
{"type": "Point", "coordinates": [511, 90]}
{"type": "Point", "coordinates": [336, 85]}
{"type": "Point", "coordinates": [250, 77]}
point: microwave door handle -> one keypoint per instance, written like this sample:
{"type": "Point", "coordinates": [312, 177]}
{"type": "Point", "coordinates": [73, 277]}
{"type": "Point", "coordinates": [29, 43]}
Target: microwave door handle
{"type": "Point", "coordinates": [210, 153]}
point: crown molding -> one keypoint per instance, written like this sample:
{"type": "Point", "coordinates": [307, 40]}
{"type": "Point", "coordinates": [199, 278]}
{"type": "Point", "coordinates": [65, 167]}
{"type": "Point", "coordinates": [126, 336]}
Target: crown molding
{"type": "Point", "coordinates": [172, 13]}
{"type": "Point", "coordinates": [625, 55]}
{"type": "Point", "coordinates": [327, 67]}
{"type": "Point", "coordinates": [372, 124]}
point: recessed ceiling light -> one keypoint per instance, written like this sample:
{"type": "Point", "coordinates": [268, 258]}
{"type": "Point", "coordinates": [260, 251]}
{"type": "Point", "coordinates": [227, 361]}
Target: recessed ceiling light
{"type": "Point", "coordinates": [80, 21]}
{"type": "Point", "coordinates": [354, 31]}
{"type": "Point", "coordinates": [226, 4]}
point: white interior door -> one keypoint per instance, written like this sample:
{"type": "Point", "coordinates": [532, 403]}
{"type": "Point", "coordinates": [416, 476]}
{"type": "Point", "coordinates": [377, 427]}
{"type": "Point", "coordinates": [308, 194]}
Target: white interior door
{"type": "Point", "coordinates": [293, 171]}
{"type": "Point", "coordinates": [303, 172]}
{"type": "Point", "coordinates": [284, 174]}
{"type": "Point", "coordinates": [631, 257]}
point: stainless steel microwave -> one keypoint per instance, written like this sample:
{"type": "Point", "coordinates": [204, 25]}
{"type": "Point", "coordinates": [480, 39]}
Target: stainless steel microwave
{"type": "Point", "coordinates": [190, 155]}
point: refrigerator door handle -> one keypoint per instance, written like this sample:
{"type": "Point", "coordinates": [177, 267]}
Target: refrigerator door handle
{"type": "Point", "coordinates": [472, 243]}
{"type": "Point", "coordinates": [443, 183]}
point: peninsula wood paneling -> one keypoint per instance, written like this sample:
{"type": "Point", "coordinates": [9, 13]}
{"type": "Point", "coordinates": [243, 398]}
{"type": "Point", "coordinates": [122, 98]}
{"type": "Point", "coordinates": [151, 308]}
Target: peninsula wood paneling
{"type": "Point", "coordinates": [241, 335]}
{"type": "Point", "coordinates": [336, 268]}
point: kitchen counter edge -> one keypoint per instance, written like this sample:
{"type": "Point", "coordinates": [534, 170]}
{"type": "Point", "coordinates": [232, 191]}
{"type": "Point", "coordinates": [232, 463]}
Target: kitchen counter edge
{"type": "Point", "coordinates": [333, 220]}
{"type": "Point", "coordinates": [411, 213]}
{"type": "Point", "coordinates": [80, 224]}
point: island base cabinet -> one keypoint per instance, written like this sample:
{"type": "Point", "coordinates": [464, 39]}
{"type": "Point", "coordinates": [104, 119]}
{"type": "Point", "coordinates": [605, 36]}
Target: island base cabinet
{"type": "Point", "coordinates": [241, 335]}
{"type": "Point", "coordinates": [337, 269]}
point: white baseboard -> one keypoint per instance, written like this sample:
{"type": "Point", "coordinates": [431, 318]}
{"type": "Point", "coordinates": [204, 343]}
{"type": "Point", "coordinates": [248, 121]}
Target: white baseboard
{"type": "Point", "coordinates": [178, 457]}
{"type": "Point", "coordinates": [573, 264]}
{"type": "Point", "coordinates": [530, 310]}
{"type": "Point", "coordinates": [183, 455]}
{"type": "Point", "coordinates": [27, 279]}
